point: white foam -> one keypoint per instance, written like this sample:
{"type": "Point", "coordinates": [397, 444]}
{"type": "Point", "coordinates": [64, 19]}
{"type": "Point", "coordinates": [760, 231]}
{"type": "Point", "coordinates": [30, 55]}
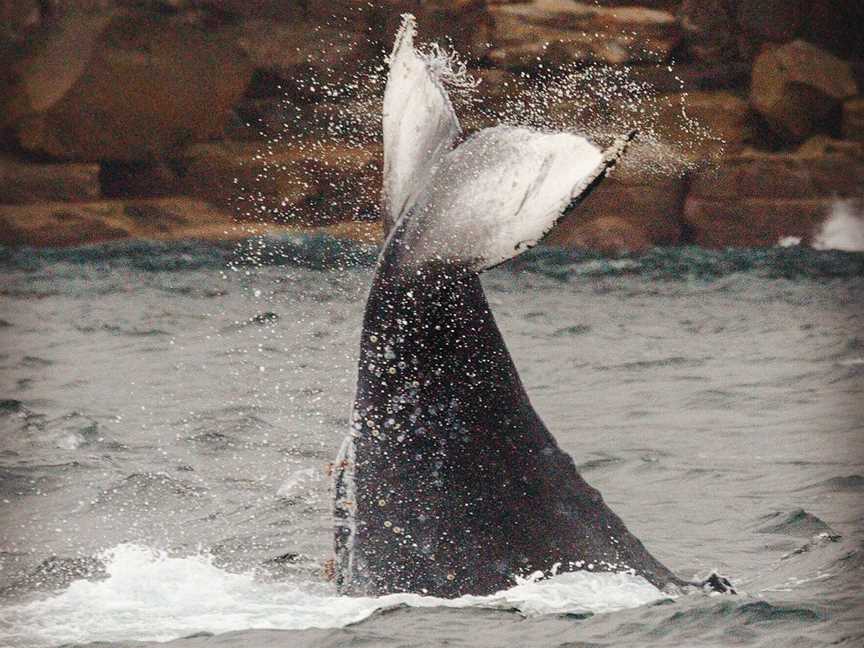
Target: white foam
{"type": "Point", "coordinates": [151, 596]}
{"type": "Point", "coordinates": [789, 241]}
{"type": "Point", "coordinates": [844, 229]}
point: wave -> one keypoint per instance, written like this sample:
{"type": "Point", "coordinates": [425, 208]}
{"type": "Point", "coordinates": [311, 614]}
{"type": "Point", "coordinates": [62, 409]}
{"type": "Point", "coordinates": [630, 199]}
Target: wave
{"type": "Point", "coordinates": [146, 594]}
{"type": "Point", "coordinates": [323, 252]}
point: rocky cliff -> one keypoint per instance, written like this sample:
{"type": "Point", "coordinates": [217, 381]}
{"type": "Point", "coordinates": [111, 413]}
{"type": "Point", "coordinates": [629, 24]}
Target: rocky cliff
{"type": "Point", "coordinates": [176, 118]}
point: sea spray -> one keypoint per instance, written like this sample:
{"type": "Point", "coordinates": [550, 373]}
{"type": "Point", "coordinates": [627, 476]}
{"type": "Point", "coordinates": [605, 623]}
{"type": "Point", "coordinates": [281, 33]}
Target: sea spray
{"type": "Point", "coordinates": [151, 595]}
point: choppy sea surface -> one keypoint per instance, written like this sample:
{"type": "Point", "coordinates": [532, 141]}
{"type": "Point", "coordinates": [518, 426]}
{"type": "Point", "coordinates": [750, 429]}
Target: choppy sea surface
{"type": "Point", "coordinates": [167, 412]}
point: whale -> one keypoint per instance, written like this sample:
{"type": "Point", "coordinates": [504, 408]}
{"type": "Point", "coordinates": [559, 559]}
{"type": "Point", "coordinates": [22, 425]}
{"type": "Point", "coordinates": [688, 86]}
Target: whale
{"type": "Point", "coordinates": [448, 482]}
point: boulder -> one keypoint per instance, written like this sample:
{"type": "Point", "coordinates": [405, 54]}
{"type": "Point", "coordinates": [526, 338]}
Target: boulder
{"type": "Point", "coordinates": [796, 87]}
{"type": "Point", "coordinates": [853, 119]}
{"type": "Point", "coordinates": [558, 32]}
{"type": "Point", "coordinates": [691, 77]}
{"type": "Point", "coordinates": [124, 86]}
{"type": "Point", "coordinates": [28, 182]}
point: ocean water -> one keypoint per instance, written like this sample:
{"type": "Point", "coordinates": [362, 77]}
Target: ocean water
{"type": "Point", "coordinates": [167, 413]}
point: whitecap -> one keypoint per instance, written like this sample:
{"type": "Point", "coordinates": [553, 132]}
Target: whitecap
{"type": "Point", "coordinates": [149, 595]}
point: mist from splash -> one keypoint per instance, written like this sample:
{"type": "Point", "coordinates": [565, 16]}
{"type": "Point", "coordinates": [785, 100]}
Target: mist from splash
{"type": "Point", "coordinates": [150, 595]}
{"type": "Point", "coordinates": [843, 230]}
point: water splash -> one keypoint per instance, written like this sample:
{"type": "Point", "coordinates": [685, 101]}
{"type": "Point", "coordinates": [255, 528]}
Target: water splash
{"type": "Point", "coordinates": [150, 595]}
{"type": "Point", "coordinates": [844, 229]}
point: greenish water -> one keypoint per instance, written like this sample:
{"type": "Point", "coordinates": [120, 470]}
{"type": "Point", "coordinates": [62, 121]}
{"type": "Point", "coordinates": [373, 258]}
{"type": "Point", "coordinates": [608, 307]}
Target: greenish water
{"type": "Point", "coordinates": [185, 398]}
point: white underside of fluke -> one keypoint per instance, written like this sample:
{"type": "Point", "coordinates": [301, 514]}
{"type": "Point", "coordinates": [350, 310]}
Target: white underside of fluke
{"type": "Point", "coordinates": [488, 199]}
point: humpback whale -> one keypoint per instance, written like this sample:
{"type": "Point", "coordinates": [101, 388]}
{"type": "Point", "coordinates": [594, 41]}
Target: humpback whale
{"type": "Point", "coordinates": [448, 482]}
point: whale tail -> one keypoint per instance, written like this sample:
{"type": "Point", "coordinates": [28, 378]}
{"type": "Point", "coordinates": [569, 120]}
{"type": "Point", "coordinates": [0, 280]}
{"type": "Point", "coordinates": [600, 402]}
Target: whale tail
{"type": "Point", "coordinates": [488, 199]}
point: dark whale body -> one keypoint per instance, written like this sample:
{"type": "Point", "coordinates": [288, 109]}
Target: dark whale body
{"type": "Point", "coordinates": [449, 483]}
{"type": "Point", "coordinates": [458, 484]}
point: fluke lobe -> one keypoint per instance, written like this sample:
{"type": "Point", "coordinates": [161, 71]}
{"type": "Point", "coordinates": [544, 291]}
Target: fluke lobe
{"type": "Point", "coordinates": [448, 482]}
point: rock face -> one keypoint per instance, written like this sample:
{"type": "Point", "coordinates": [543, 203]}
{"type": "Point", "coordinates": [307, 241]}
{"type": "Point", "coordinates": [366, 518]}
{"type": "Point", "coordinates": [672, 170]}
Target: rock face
{"type": "Point", "coordinates": [563, 31]}
{"type": "Point", "coordinates": [67, 224]}
{"type": "Point", "coordinates": [311, 183]}
{"type": "Point", "coordinates": [269, 110]}
{"type": "Point", "coordinates": [22, 183]}
{"type": "Point", "coordinates": [628, 212]}
{"type": "Point", "coordinates": [302, 60]}
{"type": "Point", "coordinates": [853, 119]}
{"type": "Point", "coordinates": [797, 86]}
{"type": "Point", "coordinates": [125, 86]}
{"type": "Point", "coordinates": [755, 199]}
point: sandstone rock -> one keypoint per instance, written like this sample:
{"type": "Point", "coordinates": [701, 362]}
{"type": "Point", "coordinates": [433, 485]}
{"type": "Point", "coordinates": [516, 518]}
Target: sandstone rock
{"type": "Point", "coordinates": [753, 222]}
{"type": "Point", "coordinates": [710, 29]}
{"type": "Point", "coordinates": [629, 211]}
{"type": "Point", "coordinates": [307, 183]}
{"type": "Point", "coordinates": [466, 24]}
{"type": "Point", "coordinates": [774, 20]}
{"type": "Point", "coordinates": [128, 86]}
{"type": "Point", "coordinates": [563, 31]}
{"type": "Point", "coordinates": [287, 10]}
{"type": "Point", "coordinates": [611, 235]}
{"type": "Point", "coordinates": [704, 125]}
{"type": "Point", "coordinates": [754, 199]}
{"type": "Point", "coordinates": [691, 77]}
{"type": "Point", "coordinates": [797, 86]}
{"type": "Point", "coordinates": [67, 224]}
{"type": "Point", "coordinates": [853, 119]}
{"type": "Point", "coordinates": [17, 16]}
{"type": "Point", "coordinates": [22, 182]}
{"type": "Point", "coordinates": [303, 60]}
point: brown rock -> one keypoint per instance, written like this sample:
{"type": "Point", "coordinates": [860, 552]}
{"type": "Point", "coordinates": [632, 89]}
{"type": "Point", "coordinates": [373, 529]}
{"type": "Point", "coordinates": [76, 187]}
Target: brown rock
{"type": "Point", "coordinates": [812, 172]}
{"type": "Point", "coordinates": [710, 29]}
{"type": "Point", "coordinates": [753, 222]}
{"type": "Point", "coordinates": [288, 10]}
{"type": "Point", "coordinates": [774, 20]}
{"type": "Point", "coordinates": [17, 16]}
{"type": "Point", "coordinates": [704, 125]}
{"type": "Point", "coordinates": [755, 199]}
{"type": "Point", "coordinates": [68, 224]}
{"type": "Point", "coordinates": [466, 24]}
{"type": "Point", "coordinates": [797, 86]}
{"type": "Point", "coordinates": [309, 183]}
{"type": "Point", "coordinates": [22, 182]}
{"type": "Point", "coordinates": [690, 77]}
{"type": "Point", "coordinates": [853, 119]}
{"type": "Point", "coordinates": [629, 211]}
{"type": "Point", "coordinates": [562, 31]}
{"type": "Point", "coordinates": [303, 60]}
{"type": "Point", "coordinates": [612, 235]}
{"type": "Point", "coordinates": [128, 86]}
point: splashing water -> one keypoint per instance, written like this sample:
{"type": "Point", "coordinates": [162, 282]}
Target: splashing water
{"type": "Point", "coordinates": [844, 229]}
{"type": "Point", "coordinates": [149, 595]}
